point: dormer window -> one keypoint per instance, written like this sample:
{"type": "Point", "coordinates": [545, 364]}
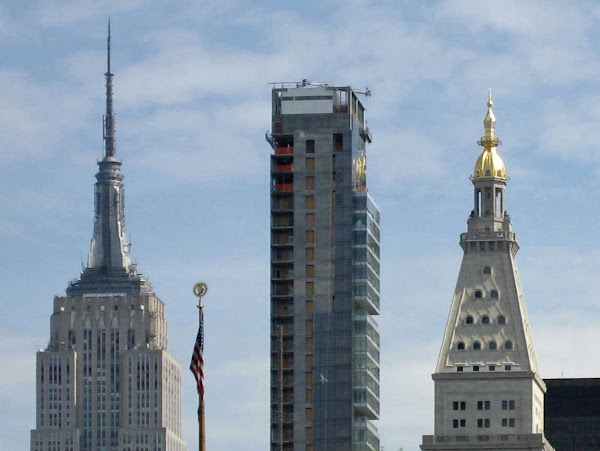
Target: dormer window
{"type": "Point", "coordinates": [460, 346]}
{"type": "Point", "coordinates": [492, 345]}
{"type": "Point", "coordinates": [508, 345]}
{"type": "Point", "coordinates": [469, 320]}
{"type": "Point", "coordinates": [487, 269]}
{"type": "Point", "coordinates": [494, 294]}
{"type": "Point", "coordinates": [478, 294]}
{"type": "Point", "coordinates": [502, 319]}
{"type": "Point", "coordinates": [485, 320]}
{"type": "Point", "coordinates": [477, 346]}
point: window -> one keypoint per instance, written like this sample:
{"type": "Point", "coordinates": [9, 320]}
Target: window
{"type": "Point", "coordinates": [310, 164]}
{"type": "Point", "coordinates": [502, 319]}
{"type": "Point", "coordinates": [310, 146]}
{"type": "Point", "coordinates": [309, 327]}
{"type": "Point", "coordinates": [460, 346]}
{"type": "Point", "coordinates": [455, 405]}
{"type": "Point", "coordinates": [487, 270]}
{"type": "Point", "coordinates": [310, 254]}
{"type": "Point", "coordinates": [310, 219]}
{"type": "Point", "coordinates": [475, 368]}
{"type": "Point", "coordinates": [310, 288]}
{"type": "Point", "coordinates": [309, 414]}
{"type": "Point", "coordinates": [507, 367]}
{"type": "Point", "coordinates": [459, 369]}
{"type": "Point", "coordinates": [511, 404]}
{"type": "Point", "coordinates": [310, 182]}
{"type": "Point", "coordinates": [485, 319]}
{"type": "Point", "coordinates": [310, 270]}
{"type": "Point", "coordinates": [469, 319]}
{"type": "Point", "coordinates": [309, 394]}
{"type": "Point", "coordinates": [463, 405]}
{"type": "Point", "coordinates": [511, 422]}
{"type": "Point", "coordinates": [309, 378]}
{"type": "Point", "coordinates": [476, 345]}
{"type": "Point", "coordinates": [494, 294]}
{"type": "Point", "coordinates": [463, 423]}
{"type": "Point", "coordinates": [478, 294]}
{"type": "Point", "coordinates": [309, 344]}
{"type": "Point", "coordinates": [504, 422]}
{"type": "Point", "coordinates": [504, 405]}
{"type": "Point", "coordinates": [479, 422]}
{"type": "Point", "coordinates": [508, 345]}
{"type": "Point", "coordinates": [309, 361]}
{"type": "Point", "coordinates": [310, 307]}
{"type": "Point", "coordinates": [492, 345]}
{"type": "Point", "coordinates": [310, 202]}
{"type": "Point", "coordinates": [492, 368]}
{"type": "Point", "coordinates": [487, 422]}
{"type": "Point", "coordinates": [483, 405]}
{"type": "Point", "coordinates": [310, 236]}
{"type": "Point", "coordinates": [455, 424]}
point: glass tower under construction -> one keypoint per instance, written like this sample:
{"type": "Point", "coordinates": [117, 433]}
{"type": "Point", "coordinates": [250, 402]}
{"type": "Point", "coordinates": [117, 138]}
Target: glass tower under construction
{"type": "Point", "coordinates": [324, 272]}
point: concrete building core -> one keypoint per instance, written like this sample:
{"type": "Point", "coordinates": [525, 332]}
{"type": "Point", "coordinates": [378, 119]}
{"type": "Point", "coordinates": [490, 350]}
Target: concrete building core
{"type": "Point", "coordinates": [324, 272]}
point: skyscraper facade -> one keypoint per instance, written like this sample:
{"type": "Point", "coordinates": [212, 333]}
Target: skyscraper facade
{"type": "Point", "coordinates": [324, 272]}
{"type": "Point", "coordinates": [106, 380]}
{"type": "Point", "coordinates": [488, 390]}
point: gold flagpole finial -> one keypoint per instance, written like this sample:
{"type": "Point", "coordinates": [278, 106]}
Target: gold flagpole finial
{"type": "Point", "coordinates": [199, 290]}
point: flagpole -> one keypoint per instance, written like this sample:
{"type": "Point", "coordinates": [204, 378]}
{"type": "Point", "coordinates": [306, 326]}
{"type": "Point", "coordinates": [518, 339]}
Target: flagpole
{"type": "Point", "coordinates": [197, 365]}
{"type": "Point", "coordinates": [201, 439]}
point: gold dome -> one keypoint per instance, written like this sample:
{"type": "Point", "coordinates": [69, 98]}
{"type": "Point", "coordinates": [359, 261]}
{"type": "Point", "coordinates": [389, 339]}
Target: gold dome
{"type": "Point", "coordinates": [489, 164]}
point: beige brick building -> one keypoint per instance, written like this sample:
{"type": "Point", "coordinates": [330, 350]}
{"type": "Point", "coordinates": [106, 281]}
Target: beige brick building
{"type": "Point", "coordinates": [106, 380]}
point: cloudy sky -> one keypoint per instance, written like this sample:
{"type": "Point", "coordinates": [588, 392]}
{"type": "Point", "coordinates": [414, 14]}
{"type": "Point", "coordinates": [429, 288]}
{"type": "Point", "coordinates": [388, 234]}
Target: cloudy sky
{"type": "Point", "coordinates": [193, 103]}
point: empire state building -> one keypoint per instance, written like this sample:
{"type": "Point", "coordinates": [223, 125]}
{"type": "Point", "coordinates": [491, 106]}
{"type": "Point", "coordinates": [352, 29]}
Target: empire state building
{"type": "Point", "coordinates": [107, 381]}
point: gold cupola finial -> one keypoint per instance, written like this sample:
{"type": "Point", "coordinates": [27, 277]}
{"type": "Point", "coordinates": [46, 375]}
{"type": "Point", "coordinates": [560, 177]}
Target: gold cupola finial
{"type": "Point", "coordinates": [489, 164]}
{"type": "Point", "coordinates": [489, 122]}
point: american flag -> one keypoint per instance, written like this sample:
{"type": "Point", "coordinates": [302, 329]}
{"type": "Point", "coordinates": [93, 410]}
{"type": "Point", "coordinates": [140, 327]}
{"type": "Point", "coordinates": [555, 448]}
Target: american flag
{"type": "Point", "coordinates": [197, 363]}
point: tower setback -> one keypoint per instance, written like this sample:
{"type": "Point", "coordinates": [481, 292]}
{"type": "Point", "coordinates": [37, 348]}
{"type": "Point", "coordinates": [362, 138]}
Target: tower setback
{"type": "Point", "coordinates": [488, 391]}
{"type": "Point", "coordinates": [106, 381]}
{"type": "Point", "coordinates": [324, 272]}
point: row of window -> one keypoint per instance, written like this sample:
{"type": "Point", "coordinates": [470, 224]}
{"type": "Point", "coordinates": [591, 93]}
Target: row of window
{"type": "Point", "coordinates": [507, 404]}
{"type": "Point", "coordinates": [460, 368]}
{"type": "Point", "coordinates": [479, 294]}
{"type": "Point", "coordinates": [483, 423]}
{"type": "Point", "coordinates": [485, 319]}
{"type": "Point", "coordinates": [477, 346]}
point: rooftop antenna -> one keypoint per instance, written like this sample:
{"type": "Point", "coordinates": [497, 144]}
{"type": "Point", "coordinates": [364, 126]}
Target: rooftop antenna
{"type": "Point", "coordinates": [109, 118]}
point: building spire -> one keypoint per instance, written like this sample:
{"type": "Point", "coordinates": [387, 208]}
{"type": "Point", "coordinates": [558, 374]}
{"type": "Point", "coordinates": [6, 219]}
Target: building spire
{"type": "Point", "coordinates": [109, 244]}
{"type": "Point", "coordinates": [489, 123]}
{"type": "Point", "coordinates": [109, 117]}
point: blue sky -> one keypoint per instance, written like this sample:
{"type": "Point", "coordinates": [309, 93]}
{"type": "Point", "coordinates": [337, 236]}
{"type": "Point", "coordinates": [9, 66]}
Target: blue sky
{"type": "Point", "coordinates": [193, 103]}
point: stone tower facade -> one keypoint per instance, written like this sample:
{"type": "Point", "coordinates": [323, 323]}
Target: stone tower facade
{"type": "Point", "coordinates": [324, 272]}
{"type": "Point", "coordinates": [488, 390]}
{"type": "Point", "coordinates": [106, 381]}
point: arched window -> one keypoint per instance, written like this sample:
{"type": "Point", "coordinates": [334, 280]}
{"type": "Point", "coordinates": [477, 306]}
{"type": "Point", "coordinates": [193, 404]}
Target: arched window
{"type": "Point", "coordinates": [478, 294]}
{"type": "Point", "coordinates": [488, 173]}
{"type": "Point", "coordinates": [502, 319]}
{"type": "Point", "coordinates": [508, 345]}
{"type": "Point", "coordinates": [469, 320]}
{"type": "Point", "coordinates": [492, 345]}
{"type": "Point", "coordinates": [477, 346]}
{"type": "Point", "coordinates": [494, 294]}
{"type": "Point", "coordinates": [487, 269]}
{"type": "Point", "coordinates": [460, 346]}
{"type": "Point", "coordinates": [485, 320]}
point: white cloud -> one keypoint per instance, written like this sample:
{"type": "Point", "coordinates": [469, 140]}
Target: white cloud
{"type": "Point", "coordinates": [73, 11]}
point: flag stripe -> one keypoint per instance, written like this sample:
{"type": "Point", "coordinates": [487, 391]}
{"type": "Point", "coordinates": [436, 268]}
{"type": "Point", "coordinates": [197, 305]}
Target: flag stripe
{"type": "Point", "coordinates": [197, 363]}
